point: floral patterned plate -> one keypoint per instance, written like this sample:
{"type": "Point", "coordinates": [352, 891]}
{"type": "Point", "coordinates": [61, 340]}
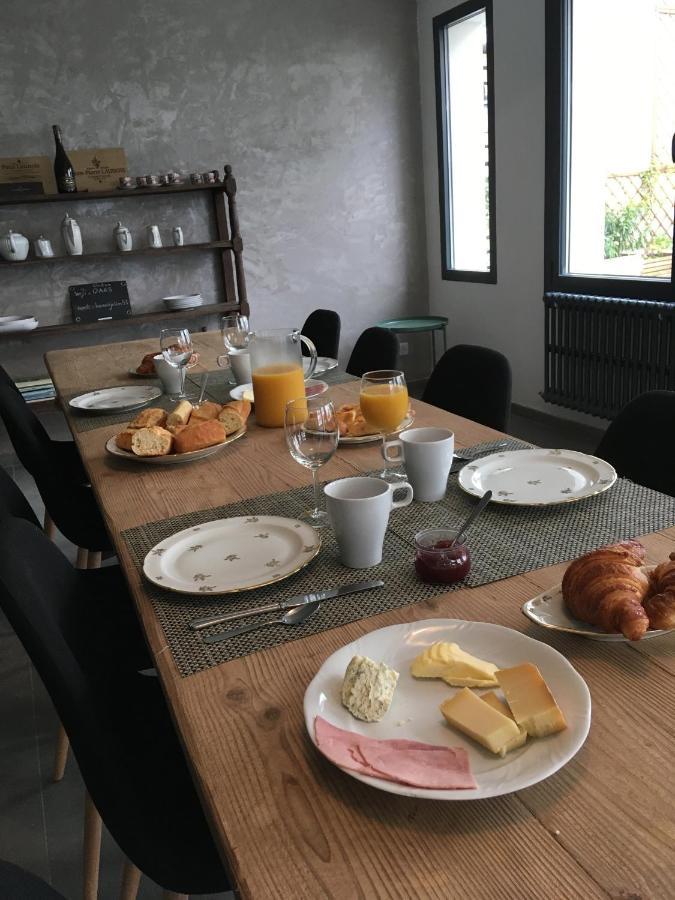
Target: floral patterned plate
{"type": "Point", "coordinates": [231, 555]}
{"type": "Point", "coordinates": [537, 477]}
{"type": "Point", "coordinates": [115, 399]}
{"type": "Point", "coordinates": [548, 610]}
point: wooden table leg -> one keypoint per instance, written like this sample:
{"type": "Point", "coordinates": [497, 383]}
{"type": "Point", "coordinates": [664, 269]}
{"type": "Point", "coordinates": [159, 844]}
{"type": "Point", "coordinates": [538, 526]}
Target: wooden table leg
{"type": "Point", "coordinates": [91, 851]}
{"type": "Point", "coordinates": [131, 878]}
{"type": "Point", "coordinates": [61, 754]}
{"type": "Point", "coordinates": [94, 559]}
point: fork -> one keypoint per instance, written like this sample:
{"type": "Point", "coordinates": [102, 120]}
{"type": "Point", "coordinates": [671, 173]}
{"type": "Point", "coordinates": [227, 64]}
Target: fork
{"type": "Point", "coordinates": [295, 616]}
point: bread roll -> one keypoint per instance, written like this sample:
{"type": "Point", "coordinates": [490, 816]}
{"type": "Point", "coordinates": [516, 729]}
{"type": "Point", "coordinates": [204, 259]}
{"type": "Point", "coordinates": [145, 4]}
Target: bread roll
{"type": "Point", "coordinates": [206, 410]}
{"type": "Point", "coordinates": [123, 439]}
{"type": "Point", "coordinates": [151, 416]}
{"type": "Point", "coordinates": [181, 414]}
{"type": "Point", "coordinates": [199, 436]}
{"type": "Point", "coordinates": [151, 441]}
{"type": "Point", "coordinates": [176, 429]}
{"type": "Point", "coordinates": [147, 366]}
{"type": "Point", "coordinates": [243, 407]}
{"type": "Point", "coordinates": [230, 420]}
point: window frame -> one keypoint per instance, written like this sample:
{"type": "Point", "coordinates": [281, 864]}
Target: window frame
{"type": "Point", "coordinates": [439, 23]}
{"type": "Point", "coordinates": [558, 65]}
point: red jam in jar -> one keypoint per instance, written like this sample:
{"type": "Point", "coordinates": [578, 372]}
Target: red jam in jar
{"type": "Point", "coordinates": [435, 562]}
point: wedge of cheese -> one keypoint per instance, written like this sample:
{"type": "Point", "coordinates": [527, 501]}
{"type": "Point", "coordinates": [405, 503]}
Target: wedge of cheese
{"type": "Point", "coordinates": [455, 666]}
{"type": "Point", "coordinates": [468, 713]}
{"type": "Point", "coordinates": [530, 701]}
{"type": "Point", "coordinates": [368, 688]}
{"type": "Point", "coordinates": [493, 700]}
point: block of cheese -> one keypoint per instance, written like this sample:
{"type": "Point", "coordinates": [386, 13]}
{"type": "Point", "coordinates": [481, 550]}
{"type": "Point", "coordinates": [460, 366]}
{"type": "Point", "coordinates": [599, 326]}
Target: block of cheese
{"type": "Point", "coordinates": [368, 688]}
{"type": "Point", "coordinates": [493, 700]}
{"type": "Point", "coordinates": [180, 414]}
{"type": "Point", "coordinates": [454, 665]}
{"type": "Point", "coordinates": [468, 713]}
{"type": "Point", "coordinates": [530, 701]}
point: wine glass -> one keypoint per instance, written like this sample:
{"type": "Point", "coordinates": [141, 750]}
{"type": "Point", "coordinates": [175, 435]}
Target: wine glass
{"type": "Point", "coordinates": [312, 437]}
{"type": "Point", "coordinates": [234, 330]}
{"type": "Point", "coordinates": [176, 347]}
{"type": "Point", "coordinates": [384, 403]}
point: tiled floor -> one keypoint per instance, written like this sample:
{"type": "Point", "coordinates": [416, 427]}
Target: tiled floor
{"type": "Point", "coordinates": [41, 822]}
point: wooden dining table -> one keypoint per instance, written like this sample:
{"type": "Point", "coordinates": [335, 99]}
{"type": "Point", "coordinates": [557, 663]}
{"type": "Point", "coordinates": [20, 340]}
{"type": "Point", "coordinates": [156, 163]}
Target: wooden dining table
{"type": "Point", "coordinates": [290, 824]}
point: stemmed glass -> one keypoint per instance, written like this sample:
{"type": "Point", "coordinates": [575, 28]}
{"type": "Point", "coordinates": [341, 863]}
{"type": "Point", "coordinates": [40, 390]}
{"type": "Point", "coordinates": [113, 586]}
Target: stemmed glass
{"type": "Point", "coordinates": [312, 437]}
{"type": "Point", "coordinates": [176, 347]}
{"type": "Point", "coordinates": [384, 403]}
{"type": "Point", "coordinates": [234, 330]}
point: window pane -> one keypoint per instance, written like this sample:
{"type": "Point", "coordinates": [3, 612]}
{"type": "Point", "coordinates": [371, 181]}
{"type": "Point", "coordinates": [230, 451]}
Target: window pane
{"type": "Point", "coordinates": [621, 108]}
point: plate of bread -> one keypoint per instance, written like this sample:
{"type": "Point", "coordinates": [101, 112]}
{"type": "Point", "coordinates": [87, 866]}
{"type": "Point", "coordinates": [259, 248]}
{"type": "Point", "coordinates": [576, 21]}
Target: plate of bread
{"type": "Point", "coordinates": [186, 433]}
{"type": "Point", "coordinates": [355, 430]}
{"type": "Point", "coordinates": [610, 595]}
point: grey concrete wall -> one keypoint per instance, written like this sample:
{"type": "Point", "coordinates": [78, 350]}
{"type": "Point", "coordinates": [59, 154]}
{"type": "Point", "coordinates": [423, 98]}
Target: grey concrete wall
{"type": "Point", "coordinates": [315, 103]}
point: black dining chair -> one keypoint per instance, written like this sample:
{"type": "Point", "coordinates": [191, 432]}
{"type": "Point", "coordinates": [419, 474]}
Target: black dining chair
{"type": "Point", "coordinates": [473, 382]}
{"type": "Point", "coordinates": [638, 441]}
{"type": "Point", "coordinates": [59, 475]}
{"type": "Point", "coordinates": [322, 327]}
{"type": "Point", "coordinates": [375, 348]}
{"type": "Point", "coordinates": [131, 761]}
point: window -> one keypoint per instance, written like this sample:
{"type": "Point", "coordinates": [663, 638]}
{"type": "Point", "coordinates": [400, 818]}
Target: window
{"type": "Point", "coordinates": [465, 128]}
{"type": "Point", "coordinates": [610, 107]}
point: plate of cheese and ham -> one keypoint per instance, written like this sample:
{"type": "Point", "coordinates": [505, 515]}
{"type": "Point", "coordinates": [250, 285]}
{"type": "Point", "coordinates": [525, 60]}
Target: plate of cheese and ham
{"type": "Point", "coordinates": [412, 750]}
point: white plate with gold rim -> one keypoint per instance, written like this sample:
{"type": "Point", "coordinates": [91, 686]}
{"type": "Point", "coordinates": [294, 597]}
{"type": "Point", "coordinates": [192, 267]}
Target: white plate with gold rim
{"type": "Point", "coordinates": [548, 610]}
{"type": "Point", "coordinates": [172, 459]}
{"type": "Point", "coordinates": [231, 555]}
{"type": "Point", "coordinates": [116, 399]}
{"type": "Point", "coordinates": [415, 714]}
{"type": "Point", "coordinates": [537, 477]}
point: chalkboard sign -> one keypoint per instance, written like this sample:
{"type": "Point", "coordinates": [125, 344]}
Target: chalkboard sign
{"type": "Point", "coordinates": [101, 300]}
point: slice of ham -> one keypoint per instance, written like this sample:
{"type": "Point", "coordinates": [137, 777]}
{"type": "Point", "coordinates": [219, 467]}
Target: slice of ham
{"type": "Point", "coordinates": [399, 760]}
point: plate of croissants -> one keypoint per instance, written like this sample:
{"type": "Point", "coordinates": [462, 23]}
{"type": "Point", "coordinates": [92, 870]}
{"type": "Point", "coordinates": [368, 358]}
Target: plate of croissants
{"type": "Point", "coordinates": [355, 430]}
{"type": "Point", "coordinates": [610, 594]}
{"type": "Point", "coordinates": [186, 433]}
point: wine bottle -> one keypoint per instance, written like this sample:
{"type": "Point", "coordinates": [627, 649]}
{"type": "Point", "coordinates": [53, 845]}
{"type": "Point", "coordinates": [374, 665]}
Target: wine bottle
{"type": "Point", "coordinates": [63, 168]}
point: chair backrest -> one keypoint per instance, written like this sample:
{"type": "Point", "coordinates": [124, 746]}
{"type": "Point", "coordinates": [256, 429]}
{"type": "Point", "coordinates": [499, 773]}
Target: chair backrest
{"type": "Point", "coordinates": [638, 441]}
{"type": "Point", "coordinates": [322, 327]}
{"type": "Point", "coordinates": [376, 348]}
{"type": "Point", "coordinates": [30, 440]}
{"type": "Point", "coordinates": [474, 382]}
{"type": "Point", "coordinates": [13, 502]}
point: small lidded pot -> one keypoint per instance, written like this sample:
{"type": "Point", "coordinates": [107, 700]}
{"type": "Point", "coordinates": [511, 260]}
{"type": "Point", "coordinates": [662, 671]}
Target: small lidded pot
{"type": "Point", "coordinates": [436, 561]}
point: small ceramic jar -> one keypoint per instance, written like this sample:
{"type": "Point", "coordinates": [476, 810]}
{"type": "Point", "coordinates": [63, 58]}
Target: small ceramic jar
{"type": "Point", "coordinates": [152, 181]}
{"type": "Point", "coordinates": [175, 178]}
{"type": "Point", "coordinates": [196, 178]}
{"type": "Point", "coordinates": [140, 180]}
{"type": "Point", "coordinates": [126, 183]}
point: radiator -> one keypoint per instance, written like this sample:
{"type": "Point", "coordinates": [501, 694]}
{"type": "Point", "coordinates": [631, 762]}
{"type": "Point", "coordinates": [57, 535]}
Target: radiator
{"type": "Point", "coordinates": [602, 351]}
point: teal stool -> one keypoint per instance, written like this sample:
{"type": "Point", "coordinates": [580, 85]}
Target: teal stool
{"type": "Point", "coordinates": [416, 324]}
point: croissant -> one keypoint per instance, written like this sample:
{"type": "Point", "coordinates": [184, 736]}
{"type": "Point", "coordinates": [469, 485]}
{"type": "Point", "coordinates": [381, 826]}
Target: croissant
{"type": "Point", "coordinates": [660, 604]}
{"type": "Point", "coordinates": [607, 587]}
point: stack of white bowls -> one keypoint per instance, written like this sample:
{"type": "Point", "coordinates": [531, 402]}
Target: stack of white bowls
{"type": "Point", "coordinates": [9, 324]}
{"type": "Point", "coordinates": [183, 301]}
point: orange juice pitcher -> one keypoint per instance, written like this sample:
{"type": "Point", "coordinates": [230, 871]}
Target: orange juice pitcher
{"type": "Point", "coordinates": [277, 372]}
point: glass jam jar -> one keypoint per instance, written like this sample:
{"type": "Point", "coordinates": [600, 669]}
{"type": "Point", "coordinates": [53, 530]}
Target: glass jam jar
{"type": "Point", "coordinates": [435, 562]}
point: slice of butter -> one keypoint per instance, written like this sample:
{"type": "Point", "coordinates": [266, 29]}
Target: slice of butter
{"type": "Point", "coordinates": [468, 713]}
{"type": "Point", "coordinates": [530, 701]}
{"type": "Point", "coordinates": [493, 700]}
{"type": "Point", "coordinates": [368, 688]}
{"type": "Point", "coordinates": [455, 666]}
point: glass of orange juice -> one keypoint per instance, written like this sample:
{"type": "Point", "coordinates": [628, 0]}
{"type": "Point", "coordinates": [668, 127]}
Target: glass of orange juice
{"type": "Point", "coordinates": [384, 403]}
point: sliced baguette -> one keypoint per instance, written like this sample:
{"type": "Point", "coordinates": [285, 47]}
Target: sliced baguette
{"type": "Point", "coordinates": [151, 441]}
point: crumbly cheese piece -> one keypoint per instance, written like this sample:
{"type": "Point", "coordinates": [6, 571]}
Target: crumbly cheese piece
{"type": "Point", "coordinates": [467, 712]}
{"type": "Point", "coordinates": [455, 666]}
{"type": "Point", "coordinates": [368, 688]}
{"type": "Point", "coordinates": [493, 700]}
{"type": "Point", "coordinates": [530, 701]}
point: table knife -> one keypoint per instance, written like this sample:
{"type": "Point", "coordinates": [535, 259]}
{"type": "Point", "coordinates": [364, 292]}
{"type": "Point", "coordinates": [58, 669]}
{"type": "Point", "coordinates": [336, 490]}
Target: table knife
{"type": "Point", "coordinates": [299, 600]}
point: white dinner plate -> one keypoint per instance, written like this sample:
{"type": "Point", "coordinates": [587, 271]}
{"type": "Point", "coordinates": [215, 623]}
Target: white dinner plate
{"type": "Point", "coordinates": [231, 555]}
{"type": "Point", "coordinates": [415, 714]}
{"type": "Point", "coordinates": [537, 477]}
{"type": "Point", "coordinates": [548, 610]}
{"type": "Point", "coordinates": [10, 324]}
{"type": "Point", "coordinates": [323, 364]}
{"type": "Point", "coordinates": [171, 459]}
{"type": "Point", "coordinates": [369, 438]}
{"type": "Point", "coordinates": [117, 399]}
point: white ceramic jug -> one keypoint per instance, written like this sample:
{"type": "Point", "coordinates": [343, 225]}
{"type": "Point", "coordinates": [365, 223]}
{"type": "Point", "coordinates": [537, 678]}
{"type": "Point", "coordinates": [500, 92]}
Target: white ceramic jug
{"type": "Point", "coordinates": [154, 237]}
{"type": "Point", "coordinates": [72, 236]}
{"type": "Point", "coordinates": [14, 246]}
{"type": "Point", "coordinates": [43, 246]}
{"type": "Point", "coordinates": [122, 237]}
{"type": "Point", "coordinates": [178, 236]}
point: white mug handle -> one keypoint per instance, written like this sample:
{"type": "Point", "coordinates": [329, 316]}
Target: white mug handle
{"type": "Point", "coordinates": [224, 361]}
{"type": "Point", "coordinates": [399, 457]}
{"type": "Point", "coordinates": [401, 486]}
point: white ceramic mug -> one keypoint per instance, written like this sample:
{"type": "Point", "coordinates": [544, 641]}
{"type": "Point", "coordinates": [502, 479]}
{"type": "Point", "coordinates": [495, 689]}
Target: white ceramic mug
{"type": "Point", "coordinates": [154, 237]}
{"type": "Point", "coordinates": [240, 363]}
{"type": "Point", "coordinates": [359, 509]}
{"type": "Point", "coordinates": [169, 375]}
{"type": "Point", "coordinates": [427, 453]}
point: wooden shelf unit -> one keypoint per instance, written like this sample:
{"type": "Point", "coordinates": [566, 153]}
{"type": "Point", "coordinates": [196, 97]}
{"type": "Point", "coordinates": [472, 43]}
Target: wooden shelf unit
{"type": "Point", "coordinates": [228, 245]}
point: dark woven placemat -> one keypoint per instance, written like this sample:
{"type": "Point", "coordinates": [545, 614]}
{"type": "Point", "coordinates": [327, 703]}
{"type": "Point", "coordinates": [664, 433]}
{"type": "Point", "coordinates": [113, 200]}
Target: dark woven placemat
{"type": "Point", "coordinates": [507, 541]}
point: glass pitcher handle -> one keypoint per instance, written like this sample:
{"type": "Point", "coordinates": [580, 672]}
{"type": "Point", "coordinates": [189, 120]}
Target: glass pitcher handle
{"type": "Point", "coordinates": [312, 354]}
